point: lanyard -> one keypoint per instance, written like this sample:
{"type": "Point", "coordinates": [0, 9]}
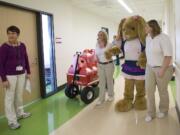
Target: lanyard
{"type": "Point", "coordinates": [18, 55]}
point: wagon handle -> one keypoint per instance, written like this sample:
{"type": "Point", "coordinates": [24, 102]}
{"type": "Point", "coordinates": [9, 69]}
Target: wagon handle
{"type": "Point", "coordinates": [74, 77]}
{"type": "Point", "coordinates": [78, 53]}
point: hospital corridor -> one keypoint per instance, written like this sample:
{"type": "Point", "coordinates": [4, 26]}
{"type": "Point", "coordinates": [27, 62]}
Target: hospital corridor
{"type": "Point", "coordinates": [89, 67]}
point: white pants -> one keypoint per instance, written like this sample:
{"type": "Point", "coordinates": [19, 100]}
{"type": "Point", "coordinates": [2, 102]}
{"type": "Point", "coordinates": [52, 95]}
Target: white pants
{"type": "Point", "coordinates": [105, 73]}
{"type": "Point", "coordinates": [14, 97]}
{"type": "Point", "coordinates": [152, 80]}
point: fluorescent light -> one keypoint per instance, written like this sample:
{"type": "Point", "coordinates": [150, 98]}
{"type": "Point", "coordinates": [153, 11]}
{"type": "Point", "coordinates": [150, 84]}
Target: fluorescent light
{"type": "Point", "coordinates": [125, 6]}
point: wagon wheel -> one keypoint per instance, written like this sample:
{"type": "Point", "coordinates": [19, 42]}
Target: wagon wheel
{"type": "Point", "coordinates": [71, 90]}
{"type": "Point", "coordinates": [87, 95]}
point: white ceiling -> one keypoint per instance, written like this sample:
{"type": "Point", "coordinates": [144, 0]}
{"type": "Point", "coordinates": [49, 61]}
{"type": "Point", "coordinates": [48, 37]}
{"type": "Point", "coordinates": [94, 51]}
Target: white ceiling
{"type": "Point", "coordinates": [150, 9]}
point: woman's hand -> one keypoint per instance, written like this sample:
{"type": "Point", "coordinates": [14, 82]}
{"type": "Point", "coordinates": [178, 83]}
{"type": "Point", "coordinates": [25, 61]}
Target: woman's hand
{"type": "Point", "coordinates": [161, 72]}
{"type": "Point", "coordinates": [165, 65]}
{"type": "Point", "coordinates": [28, 76]}
{"type": "Point", "coordinates": [6, 84]}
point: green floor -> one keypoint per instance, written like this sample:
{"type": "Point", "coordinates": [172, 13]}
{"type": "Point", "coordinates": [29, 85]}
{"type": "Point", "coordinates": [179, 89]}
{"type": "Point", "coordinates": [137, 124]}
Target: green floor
{"type": "Point", "coordinates": [47, 115]}
{"type": "Point", "coordinates": [173, 88]}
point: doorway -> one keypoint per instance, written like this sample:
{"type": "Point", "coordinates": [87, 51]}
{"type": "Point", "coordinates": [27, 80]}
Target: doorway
{"type": "Point", "coordinates": [26, 21]}
{"type": "Point", "coordinates": [49, 55]}
{"type": "Point", "coordinates": [37, 33]}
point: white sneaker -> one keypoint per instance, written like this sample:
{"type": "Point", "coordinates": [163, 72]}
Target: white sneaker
{"type": "Point", "coordinates": [161, 115]}
{"type": "Point", "coordinates": [14, 125]}
{"type": "Point", "coordinates": [110, 99]}
{"type": "Point", "coordinates": [24, 115]}
{"type": "Point", "coordinates": [99, 103]}
{"type": "Point", "coordinates": [148, 118]}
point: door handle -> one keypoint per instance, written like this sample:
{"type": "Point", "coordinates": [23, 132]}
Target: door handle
{"type": "Point", "coordinates": [35, 61]}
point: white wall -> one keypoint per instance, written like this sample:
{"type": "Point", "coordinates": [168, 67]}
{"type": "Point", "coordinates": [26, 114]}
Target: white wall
{"type": "Point", "coordinates": [177, 24]}
{"type": "Point", "coordinates": [172, 28]}
{"type": "Point", "coordinates": [168, 26]}
{"type": "Point", "coordinates": [76, 27]}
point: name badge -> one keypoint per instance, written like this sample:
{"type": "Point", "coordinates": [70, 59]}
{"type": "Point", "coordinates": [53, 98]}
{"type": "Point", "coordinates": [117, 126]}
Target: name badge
{"type": "Point", "coordinates": [19, 68]}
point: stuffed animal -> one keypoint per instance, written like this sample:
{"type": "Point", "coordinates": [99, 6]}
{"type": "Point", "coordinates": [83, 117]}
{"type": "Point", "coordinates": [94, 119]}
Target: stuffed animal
{"type": "Point", "coordinates": [133, 69]}
{"type": "Point", "coordinates": [113, 51]}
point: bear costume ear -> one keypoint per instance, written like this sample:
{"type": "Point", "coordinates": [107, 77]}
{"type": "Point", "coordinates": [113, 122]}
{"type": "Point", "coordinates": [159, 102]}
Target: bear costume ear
{"type": "Point", "coordinates": [141, 23]}
{"type": "Point", "coordinates": [120, 28]}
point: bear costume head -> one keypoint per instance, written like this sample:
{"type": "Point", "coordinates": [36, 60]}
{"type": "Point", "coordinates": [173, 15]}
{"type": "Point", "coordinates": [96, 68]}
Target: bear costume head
{"type": "Point", "coordinates": [134, 27]}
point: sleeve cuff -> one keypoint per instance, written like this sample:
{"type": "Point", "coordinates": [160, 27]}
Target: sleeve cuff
{"type": "Point", "coordinates": [3, 78]}
{"type": "Point", "coordinates": [28, 72]}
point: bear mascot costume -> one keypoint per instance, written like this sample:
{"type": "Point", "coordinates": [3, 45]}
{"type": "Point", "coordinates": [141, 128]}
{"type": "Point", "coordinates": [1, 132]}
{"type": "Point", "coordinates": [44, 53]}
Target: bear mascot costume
{"type": "Point", "coordinates": [133, 69]}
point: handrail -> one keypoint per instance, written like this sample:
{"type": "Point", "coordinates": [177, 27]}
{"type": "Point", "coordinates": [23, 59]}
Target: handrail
{"type": "Point", "coordinates": [176, 65]}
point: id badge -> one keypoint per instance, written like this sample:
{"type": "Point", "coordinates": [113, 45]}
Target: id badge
{"type": "Point", "coordinates": [19, 68]}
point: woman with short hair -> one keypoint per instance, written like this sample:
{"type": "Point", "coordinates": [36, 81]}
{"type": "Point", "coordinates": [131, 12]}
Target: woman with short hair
{"type": "Point", "coordinates": [14, 68]}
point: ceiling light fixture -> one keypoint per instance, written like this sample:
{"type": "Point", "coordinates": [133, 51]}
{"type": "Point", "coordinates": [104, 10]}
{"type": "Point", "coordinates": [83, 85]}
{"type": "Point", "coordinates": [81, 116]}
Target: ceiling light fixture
{"type": "Point", "coordinates": [125, 6]}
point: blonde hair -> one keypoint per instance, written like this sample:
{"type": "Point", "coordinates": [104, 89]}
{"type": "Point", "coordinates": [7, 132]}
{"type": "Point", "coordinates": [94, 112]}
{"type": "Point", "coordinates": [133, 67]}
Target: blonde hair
{"type": "Point", "coordinates": [104, 37]}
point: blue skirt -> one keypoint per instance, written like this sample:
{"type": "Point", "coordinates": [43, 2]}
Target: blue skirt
{"type": "Point", "coordinates": [130, 67]}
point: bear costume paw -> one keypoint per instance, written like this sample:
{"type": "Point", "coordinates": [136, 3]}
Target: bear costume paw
{"type": "Point", "coordinates": [108, 55]}
{"type": "Point", "coordinates": [142, 60]}
{"type": "Point", "coordinates": [115, 50]}
{"type": "Point", "coordinates": [123, 105]}
{"type": "Point", "coordinates": [112, 52]}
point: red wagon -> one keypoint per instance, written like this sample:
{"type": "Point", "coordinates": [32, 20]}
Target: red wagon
{"type": "Point", "coordinates": [82, 76]}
